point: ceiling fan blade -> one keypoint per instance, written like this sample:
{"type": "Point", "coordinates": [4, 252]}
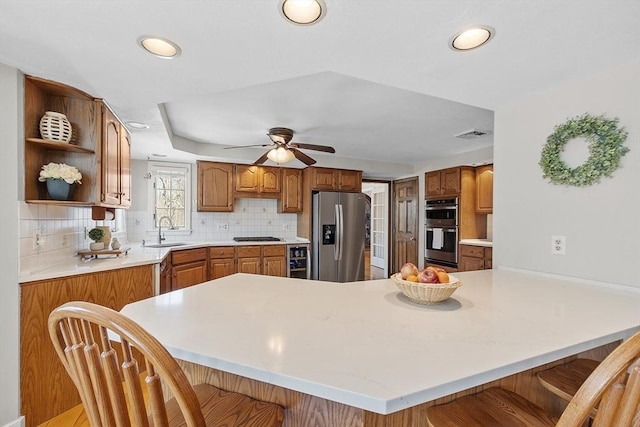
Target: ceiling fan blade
{"type": "Point", "coordinates": [302, 157]}
{"type": "Point", "coordinates": [262, 159]}
{"type": "Point", "coordinates": [315, 147]}
{"type": "Point", "coordinates": [246, 146]}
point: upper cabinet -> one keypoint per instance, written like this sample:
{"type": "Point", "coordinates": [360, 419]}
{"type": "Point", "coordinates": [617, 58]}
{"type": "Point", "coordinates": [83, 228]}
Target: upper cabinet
{"type": "Point", "coordinates": [99, 147]}
{"type": "Point", "coordinates": [444, 182]}
{"type": "Point", "coordinates": [291, 198]}
{"type": "Point", "coordinates": [326, 179]}
{"type": "Point", "coordinates": [484, 189]}
{"type": "Point", "coordinates": [258, 180]}
{"type": "Point", "coordinates": [215, 187]}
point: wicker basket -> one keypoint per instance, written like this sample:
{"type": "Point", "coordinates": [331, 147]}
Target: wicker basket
{"type": "Point", "coordinates": [427, 293]}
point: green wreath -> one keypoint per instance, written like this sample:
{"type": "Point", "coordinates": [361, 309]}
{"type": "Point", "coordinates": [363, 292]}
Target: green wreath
{"type": "Point", "coordinates": [606, 147]}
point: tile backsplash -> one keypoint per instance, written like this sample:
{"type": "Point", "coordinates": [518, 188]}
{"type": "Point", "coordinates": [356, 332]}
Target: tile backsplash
{"type": "Point", "coordinates": [62, 233]}
{"type": "Point", "coordinates": [62, 228]}
{"type": "Point", "coordinates": [250, 217]}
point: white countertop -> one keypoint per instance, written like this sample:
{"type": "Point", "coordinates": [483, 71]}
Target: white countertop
{"type": "Point", "coordinates": [477, 242]}
{"type": "Point", "coordinates": [364, 344]}
{"type": "Point", "coordinates": [137, 255]}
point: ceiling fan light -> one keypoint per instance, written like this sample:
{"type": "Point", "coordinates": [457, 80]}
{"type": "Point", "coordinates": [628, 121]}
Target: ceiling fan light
{"type": "Point", "coordinates": [280, 155]}
{"type": "Point", "coordinates": [303, 12]}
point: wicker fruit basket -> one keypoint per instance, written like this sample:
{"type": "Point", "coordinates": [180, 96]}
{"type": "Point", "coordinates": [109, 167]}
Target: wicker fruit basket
{"type": "Point", "coordinates": [427, 293]}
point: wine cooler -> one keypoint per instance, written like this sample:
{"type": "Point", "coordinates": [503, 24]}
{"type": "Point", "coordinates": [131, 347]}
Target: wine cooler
{"type": "Point", "coordinates": [298, 261]}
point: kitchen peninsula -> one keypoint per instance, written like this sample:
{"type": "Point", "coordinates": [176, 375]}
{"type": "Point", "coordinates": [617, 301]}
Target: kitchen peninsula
{"type": "Point", "coordinates": [361, 354]}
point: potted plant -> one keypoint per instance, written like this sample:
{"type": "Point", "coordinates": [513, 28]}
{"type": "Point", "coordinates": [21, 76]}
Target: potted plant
{"type": "Point", "coordinates": [59, 178]}
{"type": "Point", "coordinates": [96, 234]}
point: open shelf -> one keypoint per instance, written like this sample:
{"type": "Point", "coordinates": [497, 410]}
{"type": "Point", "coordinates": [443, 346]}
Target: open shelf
{"type": "Point", "coordinates": [58, 146]}
{"type": "Point", "coordinates": [58, 202]}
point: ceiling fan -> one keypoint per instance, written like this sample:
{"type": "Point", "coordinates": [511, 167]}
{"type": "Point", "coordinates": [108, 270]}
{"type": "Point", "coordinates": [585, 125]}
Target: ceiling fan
{"type": "Point", "coordinates": [283, 150]}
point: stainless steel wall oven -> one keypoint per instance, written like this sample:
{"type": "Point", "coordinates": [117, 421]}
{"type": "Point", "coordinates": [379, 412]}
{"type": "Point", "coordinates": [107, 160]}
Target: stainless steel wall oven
{"type": "Point", "coordinates": [441, 231]}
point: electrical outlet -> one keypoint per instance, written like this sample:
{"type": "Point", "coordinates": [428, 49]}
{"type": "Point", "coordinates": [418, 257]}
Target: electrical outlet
{"type": "Point", "coordinates": [37, 239]}
{"type": "Point", "coordinates": [558, 245]}
{"type": "Point", "coordinates": [224, 226]}
{"type": "Point", "coordinates": [285, 226]}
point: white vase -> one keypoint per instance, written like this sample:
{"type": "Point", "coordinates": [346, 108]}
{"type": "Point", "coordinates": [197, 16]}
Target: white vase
{"type": "Point", "coordinates": [96, 246]}
{"type": "Point", "coordinates": [55, 127]}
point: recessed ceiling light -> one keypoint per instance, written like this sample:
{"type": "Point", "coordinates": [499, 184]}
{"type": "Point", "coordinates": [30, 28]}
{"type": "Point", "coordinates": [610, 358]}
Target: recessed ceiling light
{"type": "Point", "coordinates": [160, 47]}
{"type": "Point", "coordinates": [303, 12]}
{"type": "Point", "coordinates": [472, 37]}
{"type": "Point", "coordinates": [137, 125]}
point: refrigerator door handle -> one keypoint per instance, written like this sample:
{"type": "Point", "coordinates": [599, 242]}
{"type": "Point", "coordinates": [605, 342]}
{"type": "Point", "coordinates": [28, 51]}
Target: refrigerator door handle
{"type": "Point", "coordinates": [340, 233]}
{"type": "Point", "coordinates": [336, 246]}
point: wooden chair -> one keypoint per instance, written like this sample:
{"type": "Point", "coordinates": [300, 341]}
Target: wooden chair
{"type": "Point", "coordinates": [82, 332]}
{"type": "Point", "coordinates": [614, 386]}
{"type": "Point", "coordinates": [565, 380]}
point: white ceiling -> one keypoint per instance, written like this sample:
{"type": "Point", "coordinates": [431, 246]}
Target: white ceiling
{"type": "Point", "coordinates": [374, 79]}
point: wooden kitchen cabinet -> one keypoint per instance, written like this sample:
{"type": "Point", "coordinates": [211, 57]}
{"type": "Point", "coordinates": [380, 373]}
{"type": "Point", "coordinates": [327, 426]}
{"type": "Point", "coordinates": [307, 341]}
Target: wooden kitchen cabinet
{"type": "Point", "coordinates": [222, 261]}
{"type": "Point", "coordinates": [215, 187]}
{"type": "Point", "coordinates": [475, 258]}
{"type": "Point", "coordinates": [258, 180]}
{"type": "Point", "coordinates": [445, 182]}
{"type": "Point", "coordinates": [165, 275]}
{"type": "Point", "coordinates": [484, 189]}
{"type": "Point", "coordinates": [249, 259]}
{"type": "Point", "coordinates": [115, 165]}
{"type": "Point", "coordinates": [99, 146]}
{"type": "Point", "coordinates": [291, 198]}
{"type": "Point", "coordinates": [188, 267]}
{"type": "Point", "coordinates": [46, 389]}
{"type": "Point", "coordinates": [274, 260]}
{"type": "Point", "coordinates": [327, 179]}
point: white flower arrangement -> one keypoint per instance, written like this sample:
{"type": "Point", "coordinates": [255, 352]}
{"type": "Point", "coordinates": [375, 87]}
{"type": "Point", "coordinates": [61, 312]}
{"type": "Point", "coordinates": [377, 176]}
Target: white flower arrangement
{"type": "Point", "coordinates": [60, 171]}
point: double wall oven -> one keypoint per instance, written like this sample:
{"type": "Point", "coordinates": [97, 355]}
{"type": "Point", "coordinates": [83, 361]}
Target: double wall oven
{"type": "Point", "coordinates": [441, 231]}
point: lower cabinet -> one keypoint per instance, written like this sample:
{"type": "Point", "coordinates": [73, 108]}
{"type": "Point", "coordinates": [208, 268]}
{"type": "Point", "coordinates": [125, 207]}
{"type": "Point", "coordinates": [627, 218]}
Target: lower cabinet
{"type": "Point", "coordinates": [222, 261]}
{"type": "Point", "coordinates": [188, 267]}
{"type": "Point", "coordinates": [274, 260]}
{"type": "Point", "coordinates": [475, 258]}
{"type": "Point", "coordinates": [249, 258]}
{"type": "Point", "coordinates": [46, 390]}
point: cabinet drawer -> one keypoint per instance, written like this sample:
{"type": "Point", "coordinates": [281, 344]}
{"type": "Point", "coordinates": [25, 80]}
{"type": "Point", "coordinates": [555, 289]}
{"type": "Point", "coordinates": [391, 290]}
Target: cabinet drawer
{"type": "Point", "coordinates": [222, 252]}
{"type": "Point", "coordinates": [472, 251]}
{"type": "Point", "coordinates": [188, 255]}
{"type": "Point", "coordinates": [249, 251]}
{"type": "Point", "coordinates": [273, 250]}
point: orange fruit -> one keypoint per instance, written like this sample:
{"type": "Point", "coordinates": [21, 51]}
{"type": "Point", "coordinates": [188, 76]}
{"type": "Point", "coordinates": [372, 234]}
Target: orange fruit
{"type": "Point", "coordinates": [412, 278]}
{"type": "Point", "coordinates": [443, 277]}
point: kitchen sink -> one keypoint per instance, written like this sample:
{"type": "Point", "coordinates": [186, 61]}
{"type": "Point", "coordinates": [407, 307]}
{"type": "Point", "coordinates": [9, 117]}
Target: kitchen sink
{"type": "Point", "coordinates": [164, 245]}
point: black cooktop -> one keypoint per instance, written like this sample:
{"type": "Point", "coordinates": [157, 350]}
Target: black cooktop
{"type": "Point", "coordinates": [257, 239]}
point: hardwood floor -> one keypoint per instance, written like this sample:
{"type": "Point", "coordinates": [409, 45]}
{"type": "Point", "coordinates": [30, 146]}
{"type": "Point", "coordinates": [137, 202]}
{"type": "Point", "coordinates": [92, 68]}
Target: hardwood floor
{"type": "Point", "coordinates": [371, 272]}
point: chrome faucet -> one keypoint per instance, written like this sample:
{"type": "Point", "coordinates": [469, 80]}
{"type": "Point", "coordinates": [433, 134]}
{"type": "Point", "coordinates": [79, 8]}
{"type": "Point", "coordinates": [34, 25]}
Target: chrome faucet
{"type": "Point", "coordinates": [160, 238]}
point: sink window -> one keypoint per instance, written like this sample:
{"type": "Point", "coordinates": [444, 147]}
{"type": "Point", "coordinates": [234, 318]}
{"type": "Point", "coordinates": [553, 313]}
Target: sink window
{"type": "Point", "coordinates": [170, 194]}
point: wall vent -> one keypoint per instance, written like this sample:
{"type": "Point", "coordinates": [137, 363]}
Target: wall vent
{"type": "Point", "coordinates": [472, 134]}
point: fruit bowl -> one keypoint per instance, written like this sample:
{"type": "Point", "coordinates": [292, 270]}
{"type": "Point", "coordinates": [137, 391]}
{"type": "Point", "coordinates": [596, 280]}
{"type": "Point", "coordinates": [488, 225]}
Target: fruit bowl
{"type": "Point", "coordinates": [426, 293]}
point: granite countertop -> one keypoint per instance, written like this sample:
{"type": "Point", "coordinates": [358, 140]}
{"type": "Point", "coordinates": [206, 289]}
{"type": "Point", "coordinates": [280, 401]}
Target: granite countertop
{"type": "Point", "coordinates": [477, 242]}
{"type": "Point", "coordinates": [137, 255]}
{"type": "Point", "coordinates": [365, 345]}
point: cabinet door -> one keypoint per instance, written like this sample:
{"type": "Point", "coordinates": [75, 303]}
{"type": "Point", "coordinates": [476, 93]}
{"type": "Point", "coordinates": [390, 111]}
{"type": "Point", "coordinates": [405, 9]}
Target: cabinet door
{"type": "Point", "coordinates": [269, 180]}
{"type": "Point", "coordinates": [215, 187]}
{"type": "Point", "coordinates": [470, 264]}
{"type": "Point", "coordinates": [450, 181]}
{"type": "Point", "coordinates": [484, 189]}
{"type": "Point", "coordinates": [165, 276]}
{"type": "Point", "coordinates": [110, 192]}
{"type": "Point", "coordinates": [488, 258]}
{"type": "Point", "coordinates": [432, 183]}
{"type": "Point", "coordinates": [185, 275]}
{"type": "Point", "coordinates": [291, 191]}
{"type": "Point", "coordinates": [221, 267]}
{"type": "Point", "coordinates": [274, 266]}
{"type": "Point", "coordinates": [349, 180]}
{"type": "Point", "coordinates": [125, 167]}
{"type": "Point", "coordinates": [249, 265]}
{"type": "Point", "coordinates": [247, 178]}
{"type": "Point", "coordinates": [324, 179]}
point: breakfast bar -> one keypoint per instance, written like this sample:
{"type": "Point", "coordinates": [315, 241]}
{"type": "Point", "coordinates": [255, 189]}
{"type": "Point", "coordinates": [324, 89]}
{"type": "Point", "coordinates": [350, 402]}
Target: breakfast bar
{"type": "Point", "coordinates": [357, 354]}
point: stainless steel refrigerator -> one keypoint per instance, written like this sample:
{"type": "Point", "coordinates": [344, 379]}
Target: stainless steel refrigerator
{"type": "Point", "coordinates": [338, 237]}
